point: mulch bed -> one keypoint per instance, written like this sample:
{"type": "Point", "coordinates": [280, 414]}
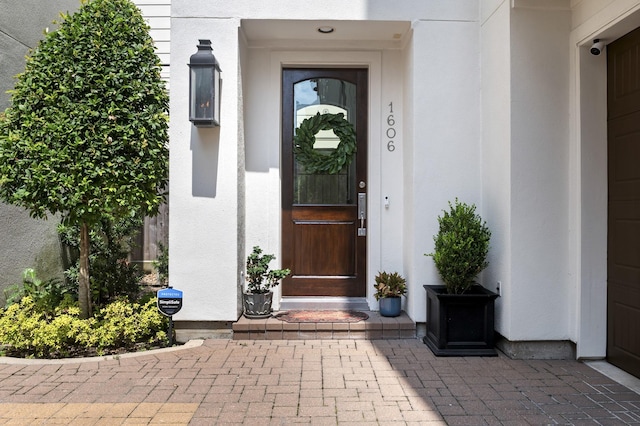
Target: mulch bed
{"type": "Point", "coordinates": [81, 352]}
{"type": "Point", "coordinates": [321, 316]}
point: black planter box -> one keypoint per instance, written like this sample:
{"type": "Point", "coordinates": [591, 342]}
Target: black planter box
{"type": "Point", "coordinates": [460, 324]}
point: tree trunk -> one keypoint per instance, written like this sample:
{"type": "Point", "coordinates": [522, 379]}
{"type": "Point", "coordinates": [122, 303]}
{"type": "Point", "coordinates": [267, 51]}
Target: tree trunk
{"type": "Point", "coordinates": [84, 291]}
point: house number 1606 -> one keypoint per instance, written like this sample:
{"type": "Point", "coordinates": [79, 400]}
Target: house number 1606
{"type": "Point", "coordinates": [391, 130]}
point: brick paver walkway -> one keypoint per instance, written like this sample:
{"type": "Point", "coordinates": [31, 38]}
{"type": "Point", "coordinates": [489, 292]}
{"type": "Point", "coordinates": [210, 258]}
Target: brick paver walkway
{"type": "Point", "coordinates": [312, 382]}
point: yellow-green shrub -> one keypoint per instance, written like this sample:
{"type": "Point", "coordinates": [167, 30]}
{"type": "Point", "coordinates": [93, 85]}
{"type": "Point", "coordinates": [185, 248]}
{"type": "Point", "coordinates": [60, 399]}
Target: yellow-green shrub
{"type": "Point", "coordinates": [27, 330]}
{"type": "Point", "coordinates": [122, 324]}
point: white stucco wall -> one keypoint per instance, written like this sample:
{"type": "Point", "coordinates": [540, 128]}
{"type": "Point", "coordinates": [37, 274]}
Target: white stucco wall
{"type": "Point", "coordinates": [525, 166]}
{"type": "Point", "coordinates": [389, 177]}
{"type": "Point", "coordinates": [204, 217]}
{"type": "Point", "coordinates": [445, 160]}
{"type": "Point", "coordinates": [544, 165]}
{"type": "Point", "coordinates": [540, 282]}
{"type": "Point", "coordinates": [607, 20]}
{"type": "Point", "coordinates": [496, 153]}
{"type": "Point", "coordinates": [218, 212]}
{"type": "Point", "coordinates": [410, 260]}
{"type": "Point", "coordinates": [497, 103]}
{"type": "Point", "coordinates": [25, 242]}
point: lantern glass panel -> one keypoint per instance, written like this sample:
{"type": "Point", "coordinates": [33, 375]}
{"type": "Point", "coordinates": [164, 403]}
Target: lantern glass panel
{"type": "Point", "coordinates": [202, 87]}
{"type": "Point", "coordinates": [216, 95]}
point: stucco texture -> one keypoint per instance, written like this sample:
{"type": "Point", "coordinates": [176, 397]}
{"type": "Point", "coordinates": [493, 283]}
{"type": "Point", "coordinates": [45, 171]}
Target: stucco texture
{"type": "Point", "coordinates": [25, 242]}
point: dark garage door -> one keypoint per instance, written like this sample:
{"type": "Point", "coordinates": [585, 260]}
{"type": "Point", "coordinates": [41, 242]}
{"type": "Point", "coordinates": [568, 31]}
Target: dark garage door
{"type": "Point", "coordinates": [623, 263]}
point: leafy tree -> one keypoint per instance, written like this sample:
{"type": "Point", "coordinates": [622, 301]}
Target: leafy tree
{"type": "Point", "coordinates": [86, 135]}
{"type": "Point", "coordinates": [112, 275]}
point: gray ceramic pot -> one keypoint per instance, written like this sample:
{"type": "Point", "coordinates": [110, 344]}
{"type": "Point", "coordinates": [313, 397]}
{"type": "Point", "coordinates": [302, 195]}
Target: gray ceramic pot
{"type": "Point", "coordinates": [257, 305]}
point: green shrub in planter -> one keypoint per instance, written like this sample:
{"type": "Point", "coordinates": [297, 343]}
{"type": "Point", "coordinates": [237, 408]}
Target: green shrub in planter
{"type": "Point", "coordinates": [261, 279]}
{"type": "Point", "coordinates": [461, 247]}
{"type": "Point", "coordinates": [389, 288]}
{"type": "Point", "coordinates": [389, 285]}
{"type": "Point", "coordinates": [258, 297]}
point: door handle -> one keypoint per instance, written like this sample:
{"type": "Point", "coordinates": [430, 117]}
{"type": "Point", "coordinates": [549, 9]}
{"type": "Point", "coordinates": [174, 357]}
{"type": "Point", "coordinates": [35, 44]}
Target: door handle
{"type": "Point", "coordinates": [362, 213]}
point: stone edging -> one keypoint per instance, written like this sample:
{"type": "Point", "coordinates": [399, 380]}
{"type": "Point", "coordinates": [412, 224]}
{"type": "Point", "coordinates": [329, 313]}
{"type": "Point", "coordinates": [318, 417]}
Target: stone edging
{"type": "Point", "coordinates": [27, 361]}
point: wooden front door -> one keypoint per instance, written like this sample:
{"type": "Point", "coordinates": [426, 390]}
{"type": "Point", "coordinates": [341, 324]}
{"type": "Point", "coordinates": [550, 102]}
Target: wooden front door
{"type": "Point", "coordinates": [623, 257]}
{"type": "Point", "coordinates": [324, 212]}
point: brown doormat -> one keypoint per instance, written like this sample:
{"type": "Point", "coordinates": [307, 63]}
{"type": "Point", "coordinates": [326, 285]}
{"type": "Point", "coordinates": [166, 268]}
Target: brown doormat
{"type": "Point", "coordinates": [321, 316]}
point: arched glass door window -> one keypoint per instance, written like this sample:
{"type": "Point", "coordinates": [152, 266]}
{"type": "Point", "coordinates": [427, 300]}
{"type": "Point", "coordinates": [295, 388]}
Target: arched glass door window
{"type": "Point", "coordinates": [324, 95]}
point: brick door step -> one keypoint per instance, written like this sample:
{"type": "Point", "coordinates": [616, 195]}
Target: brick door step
{"type": "Point", "coordinates": [374, 328]}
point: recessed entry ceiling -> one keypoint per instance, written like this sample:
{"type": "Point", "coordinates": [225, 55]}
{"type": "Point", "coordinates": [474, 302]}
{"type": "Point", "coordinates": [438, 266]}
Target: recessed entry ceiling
{"type": "Point", "coordinates": [260, 32]}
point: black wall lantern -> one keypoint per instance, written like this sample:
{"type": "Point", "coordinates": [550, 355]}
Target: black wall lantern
{"type": "Point", "coordinates": [204, 87]}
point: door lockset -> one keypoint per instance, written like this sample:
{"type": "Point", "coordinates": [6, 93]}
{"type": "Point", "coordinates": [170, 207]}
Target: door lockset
{"type": "Point", "coordinates": [362, 213]}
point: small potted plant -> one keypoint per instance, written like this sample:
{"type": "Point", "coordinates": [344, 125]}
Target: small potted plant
{"type": "Point", "coordinates": [389, 289]}
{"type": "Point", "coordinates": [460, 313]}
{"type": "Point", "coordinates": [258, 297]}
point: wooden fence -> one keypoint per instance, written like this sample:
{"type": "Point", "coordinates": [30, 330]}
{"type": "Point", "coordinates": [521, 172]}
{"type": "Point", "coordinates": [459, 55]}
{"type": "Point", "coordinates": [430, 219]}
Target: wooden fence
{"type": "Point", "coordinates": [154, 232]}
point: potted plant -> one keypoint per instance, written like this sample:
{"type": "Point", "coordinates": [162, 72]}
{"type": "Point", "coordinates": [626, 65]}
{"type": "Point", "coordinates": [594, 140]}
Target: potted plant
{"type": "Point", "coordinates": [460, 313]}
{"type": "Point", "coordinates": [258, 296]}
{"type": "Point", "coordinates": [389, 289]}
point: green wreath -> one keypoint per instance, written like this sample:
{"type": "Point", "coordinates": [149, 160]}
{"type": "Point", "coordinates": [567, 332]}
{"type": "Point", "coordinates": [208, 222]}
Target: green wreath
{"type": "Point", "coordinates": [315, 161]}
